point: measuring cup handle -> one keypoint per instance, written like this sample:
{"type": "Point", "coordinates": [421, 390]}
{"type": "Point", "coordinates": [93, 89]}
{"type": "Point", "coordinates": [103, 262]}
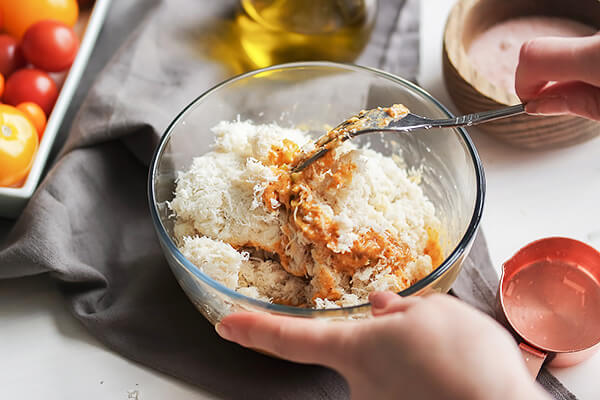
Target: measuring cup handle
{"type": "Point", "coordinates": [533, 358]}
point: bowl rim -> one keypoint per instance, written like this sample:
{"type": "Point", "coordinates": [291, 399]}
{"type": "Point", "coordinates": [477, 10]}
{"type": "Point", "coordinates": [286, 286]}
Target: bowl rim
{"type": "Point", "coordinates": [455, 255]}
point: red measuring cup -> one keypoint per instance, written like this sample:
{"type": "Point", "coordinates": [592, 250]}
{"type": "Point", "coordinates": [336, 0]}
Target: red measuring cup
{"type": "Point", "coordinates": [549, 294]}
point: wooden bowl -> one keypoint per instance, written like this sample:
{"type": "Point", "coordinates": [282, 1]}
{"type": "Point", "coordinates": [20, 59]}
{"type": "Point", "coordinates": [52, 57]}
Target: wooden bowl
{"type": "Point", "coordinates": [472, 92]}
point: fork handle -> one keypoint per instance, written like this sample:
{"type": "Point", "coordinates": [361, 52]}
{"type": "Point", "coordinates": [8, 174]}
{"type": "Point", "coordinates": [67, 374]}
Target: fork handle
{"type": "Point", "coordinates": [478, 118]}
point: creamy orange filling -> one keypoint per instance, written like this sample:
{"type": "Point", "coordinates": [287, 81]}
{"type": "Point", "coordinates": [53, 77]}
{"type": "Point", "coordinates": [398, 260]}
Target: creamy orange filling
{"type": "Point", "coordinates": [293, 192]}
{"type": "Point", "coordinates": [396, 111]}
{"type": "Point", "coordinates": [278, 192]}
{"type": "Point", "coordinates": [284, 154]}
{"type": "Point", "coordinates": [433, 248]}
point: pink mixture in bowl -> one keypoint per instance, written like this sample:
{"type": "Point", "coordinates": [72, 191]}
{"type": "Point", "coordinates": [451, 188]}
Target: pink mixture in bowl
{"type": "Point", "coordinates": [495, 53]}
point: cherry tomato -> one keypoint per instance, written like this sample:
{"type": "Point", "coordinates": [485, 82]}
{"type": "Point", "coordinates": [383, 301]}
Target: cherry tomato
{"type": "Point", "coordinates": [31, 85]}
{"type": "Point", "coordinates": [21, 14]}
{"type": "Point", "coordinates": [50, 45]}
{"type": "Point", "coordinates": [18, 145]}
{"type": "Point", "coordinates": [36, 116]}
{"type": "Point", "coordinates": [11, 57]}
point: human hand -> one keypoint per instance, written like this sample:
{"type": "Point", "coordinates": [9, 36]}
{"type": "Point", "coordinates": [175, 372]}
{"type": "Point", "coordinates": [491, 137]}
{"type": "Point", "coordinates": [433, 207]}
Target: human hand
{"type": "Point", "coordinates": [416, 348]}
{"type": "Point", "coordinates": [560, 76]}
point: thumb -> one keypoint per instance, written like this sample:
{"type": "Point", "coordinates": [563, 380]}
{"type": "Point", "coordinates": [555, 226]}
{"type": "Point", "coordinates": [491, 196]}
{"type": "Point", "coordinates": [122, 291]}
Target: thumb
{"type": "Point", "coordinates": [575, 98]}
{"type": "Point", "coordinates": [389, 302]}
{"type": "Point", "coordinates": [303, 340]}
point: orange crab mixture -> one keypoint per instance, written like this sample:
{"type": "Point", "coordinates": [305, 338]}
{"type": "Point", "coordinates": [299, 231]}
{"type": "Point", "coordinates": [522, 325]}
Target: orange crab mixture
{"type": "Point", "coordinates": [293, 191]}
{"type": "Point", "coordinates": [324, 235]}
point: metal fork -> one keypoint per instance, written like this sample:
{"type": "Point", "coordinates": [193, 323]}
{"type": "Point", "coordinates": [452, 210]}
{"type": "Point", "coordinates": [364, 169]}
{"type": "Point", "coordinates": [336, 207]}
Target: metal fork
{"type": "Point", "coordinates": [372, 122]}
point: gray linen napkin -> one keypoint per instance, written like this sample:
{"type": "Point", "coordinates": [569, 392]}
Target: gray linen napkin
{"type": "Point", "coordinates": [88, 226]}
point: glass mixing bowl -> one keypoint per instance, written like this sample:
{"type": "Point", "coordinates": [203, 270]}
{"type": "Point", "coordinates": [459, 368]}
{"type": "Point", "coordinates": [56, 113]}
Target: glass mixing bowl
{"type": "Point", "coordinates": [312, 96]}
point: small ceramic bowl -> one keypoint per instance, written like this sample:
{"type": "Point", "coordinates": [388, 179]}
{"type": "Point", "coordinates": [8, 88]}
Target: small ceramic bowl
{"type": "Point", "coordinates": [472, 92]}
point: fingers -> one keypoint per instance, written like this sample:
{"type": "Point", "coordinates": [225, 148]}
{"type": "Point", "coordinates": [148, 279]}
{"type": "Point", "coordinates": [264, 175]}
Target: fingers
{"type": "Point", "coordinates": [551, 59]}
{"type": "Point", "coordinates": [567, 98]}
{"type": "Point", "coordinates": [303, 340]}
{"type": "Point", "coordinates": [306, 340]}
{"type": "Point", "coordinates": [389, 302]}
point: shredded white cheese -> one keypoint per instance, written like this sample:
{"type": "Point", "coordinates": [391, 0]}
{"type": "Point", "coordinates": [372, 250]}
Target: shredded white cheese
{"type": "Point", "coordinates": [220, 213]}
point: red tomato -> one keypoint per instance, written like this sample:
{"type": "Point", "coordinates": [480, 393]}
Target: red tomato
{"type": "Point", "coordinates": [50, 45]}
{"type": "Point", "coordinates": [36, 116]}
{"type": "Point", "coordinates": [11, 57]}
{"type": "Point", "coordinates": [1, 84]}
{"type": "Point", "coordinates": [21, 14]}
{"type": "Point", "coordinates": [31, 85]}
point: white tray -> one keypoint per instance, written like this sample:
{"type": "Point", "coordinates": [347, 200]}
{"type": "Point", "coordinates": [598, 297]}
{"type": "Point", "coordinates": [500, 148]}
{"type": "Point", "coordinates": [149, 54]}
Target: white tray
{"type": "Point", "coordinates": [12, 200]}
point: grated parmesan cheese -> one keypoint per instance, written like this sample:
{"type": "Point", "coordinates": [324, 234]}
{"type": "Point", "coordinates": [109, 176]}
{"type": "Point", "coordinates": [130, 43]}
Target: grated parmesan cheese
{"type": "Point", "coordinates": [228, 226]}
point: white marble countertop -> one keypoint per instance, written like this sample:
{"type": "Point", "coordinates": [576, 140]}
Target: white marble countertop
{"type": "Point", "coordinates": [530, 195]}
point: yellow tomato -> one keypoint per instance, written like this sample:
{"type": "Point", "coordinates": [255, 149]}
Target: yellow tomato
{"type": "Point", "coordinates": [35, 114]}
{"type": "Point", "coordinates": [18, 15]}
{"type": "Point", "coordinates": [18, 145]}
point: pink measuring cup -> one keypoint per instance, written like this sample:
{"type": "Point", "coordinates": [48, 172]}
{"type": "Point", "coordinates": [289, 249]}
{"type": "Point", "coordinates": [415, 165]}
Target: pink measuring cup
{"type": "Point", "coordinates": [549, 295]}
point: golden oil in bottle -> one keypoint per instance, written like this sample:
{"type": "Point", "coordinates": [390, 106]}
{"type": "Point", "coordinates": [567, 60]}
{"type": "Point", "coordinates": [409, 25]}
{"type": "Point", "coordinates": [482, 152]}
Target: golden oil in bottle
{"type": "Point", "coordinates": [276, 31]}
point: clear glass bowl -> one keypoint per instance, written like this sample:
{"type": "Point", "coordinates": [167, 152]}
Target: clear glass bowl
{"type": "Point", "coordinates": [313, 95]}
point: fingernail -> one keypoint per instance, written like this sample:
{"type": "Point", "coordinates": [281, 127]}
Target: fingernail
{"type": "Point", "coordinates": [554, 105]}
{"type": "Point", "coordinates": [224, 331]}
{"type": "Point", "coordinates": [377, 300]}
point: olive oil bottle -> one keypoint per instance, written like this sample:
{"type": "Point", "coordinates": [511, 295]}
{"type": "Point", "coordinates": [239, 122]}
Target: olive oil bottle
{"type": "Point", "coordinates": [276, 31]}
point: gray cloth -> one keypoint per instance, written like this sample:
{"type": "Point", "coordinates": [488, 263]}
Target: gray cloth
{"type": "Point", "coordinates": [88, 226]}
